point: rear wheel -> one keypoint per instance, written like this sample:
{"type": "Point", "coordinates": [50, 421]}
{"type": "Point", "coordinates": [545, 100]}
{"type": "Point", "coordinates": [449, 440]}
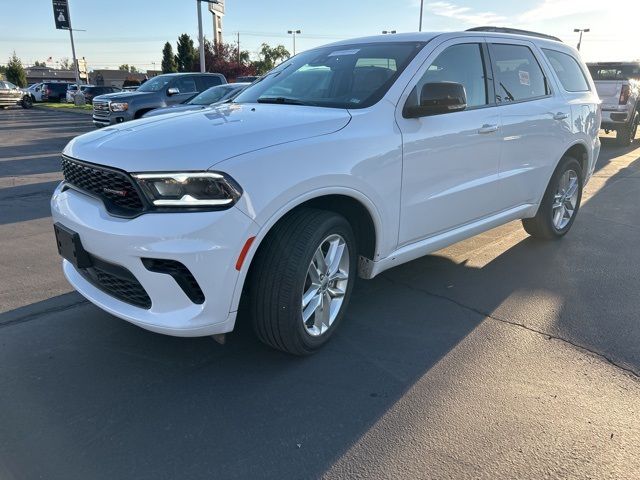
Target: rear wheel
{"type": "Point", "coordinates": [627, 134]}
{"type": "Point", "coordinates": [302, 280]}
{"type": "Point", "coordinates": [560, 203]}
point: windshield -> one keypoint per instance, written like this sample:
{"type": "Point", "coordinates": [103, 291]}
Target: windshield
{"type": "Point", "coordinates": [615, 71]}
{"type": "Point", "coordinates": [155, 84]}
{"type": "Point", "coordinates": [345, 76]}
{"type": "Point", "coordinates": [210, 95]}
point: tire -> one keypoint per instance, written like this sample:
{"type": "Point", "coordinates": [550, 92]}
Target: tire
{"type": "Point", "coordinates": [553, 221]}
{"type": "Point", "coordinates": [283, 272]}
{"type": "Point", "coordinates": [27, 101]}
{"type": "Point", "coordinates": [627, 134]}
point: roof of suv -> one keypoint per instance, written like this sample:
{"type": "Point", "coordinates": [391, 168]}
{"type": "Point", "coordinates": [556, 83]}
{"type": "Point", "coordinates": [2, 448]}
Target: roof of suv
{"type": "Point", "coordinates": [427, 36]}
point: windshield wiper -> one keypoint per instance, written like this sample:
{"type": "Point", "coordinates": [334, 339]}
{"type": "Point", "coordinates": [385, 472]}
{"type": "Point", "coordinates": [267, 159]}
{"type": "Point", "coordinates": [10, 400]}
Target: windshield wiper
{"type": "Point", "coordinates": [509, 96]}
{"type": "Point", "coordinates": [283, 100]}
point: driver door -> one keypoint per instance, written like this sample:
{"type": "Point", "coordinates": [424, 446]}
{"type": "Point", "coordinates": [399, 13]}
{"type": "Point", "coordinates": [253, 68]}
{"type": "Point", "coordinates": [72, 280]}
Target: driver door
{"type": "Point", "coordinates": [450, 160]}
{"type": "Point", "coordinates": [187, 89]}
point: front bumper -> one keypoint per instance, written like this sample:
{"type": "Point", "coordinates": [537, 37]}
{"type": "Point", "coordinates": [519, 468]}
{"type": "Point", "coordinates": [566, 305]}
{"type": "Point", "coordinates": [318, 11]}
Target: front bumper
{"type": "Point", "coordinates": [207, 243]}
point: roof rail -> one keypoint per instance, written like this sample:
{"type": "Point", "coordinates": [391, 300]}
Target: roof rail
{"type": "Point", "coordinates": [513, 30]}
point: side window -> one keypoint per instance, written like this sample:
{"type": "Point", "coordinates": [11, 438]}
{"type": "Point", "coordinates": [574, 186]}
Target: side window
{"type": "Point", "coordinates": [568, 70]}
{"type": "Point", "coordinates": [461, 64]}
{"type": "Point", "coordinates": [518, 75]}
{"type": "Point", "coordinates": [186, 85]}
{"type": "Point", "coordinates": [208, 81]}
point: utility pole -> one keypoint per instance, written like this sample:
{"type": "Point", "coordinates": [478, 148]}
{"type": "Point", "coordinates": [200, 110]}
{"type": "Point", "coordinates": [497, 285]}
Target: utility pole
{"type": "Point", "coordinates": [200, 37]}
{"type": "Point", "coordinates": [238, 48]}
{"type": "Point", "coordinates": [294, 33]}
{"type": "Point", "coordinates": [421, 8]}
{"type": "Point", "coordinates": [581, 30]}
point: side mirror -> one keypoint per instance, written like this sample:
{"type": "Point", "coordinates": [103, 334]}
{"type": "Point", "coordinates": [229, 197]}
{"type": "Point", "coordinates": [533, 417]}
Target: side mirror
{"type": "Point", "coordinates": [173, 91]}
{"type": "Point", "coordinates": [435, 99]}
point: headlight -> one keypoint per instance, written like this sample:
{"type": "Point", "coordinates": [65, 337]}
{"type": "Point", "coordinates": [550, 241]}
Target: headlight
{"type": "Point", "coordinates": [119, 106]}
{"type": "Point", "coordinates": [189, 189]}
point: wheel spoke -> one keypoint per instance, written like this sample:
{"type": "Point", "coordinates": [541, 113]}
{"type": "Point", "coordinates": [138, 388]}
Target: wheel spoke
{"type": "Point", "coordinates": [334, 256]}
{"type": "Point", "coordinates": [338, 276]}
{"type": "Point", "coordinates": [312, 306]}
{"type": "Point", "coordinates": [336, 292]}
{"type": "Point", "coordinates": [311, 293]}
{"type": "Point", "coordinates": [573, 188]}
{"type": "Point", "coordinates": [320, 261]}
{"type": "Point", "coordinates": [314, 274]}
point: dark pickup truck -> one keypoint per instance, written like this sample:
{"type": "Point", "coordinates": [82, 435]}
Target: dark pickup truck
{"type": "Point", "coordinates": [161, 91]}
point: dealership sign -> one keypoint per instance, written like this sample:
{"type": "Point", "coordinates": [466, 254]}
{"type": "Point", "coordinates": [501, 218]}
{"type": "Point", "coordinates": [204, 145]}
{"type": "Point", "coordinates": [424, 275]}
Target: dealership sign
{"type": "Point", "coordinates": [61, 14]}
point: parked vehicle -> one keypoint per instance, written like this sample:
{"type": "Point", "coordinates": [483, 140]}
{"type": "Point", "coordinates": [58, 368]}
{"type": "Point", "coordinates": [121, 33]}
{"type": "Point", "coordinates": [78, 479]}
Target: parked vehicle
{"type": "Point", "coordinates": [54, 91]}
{"type": "Point", "coordinates": [247, 79]}
{"type": "Point", "coordinates": [212, 96]}
{"type": "Point", "coordinates": [160, 91]}
{"type": "Point", "coordinates": [10, 94]}
{"type": "Point", "coordinates": [72, 90]}
{"type": "Point", "coordinates": [345, 160]}
{"type": "Point", "coordinates": [93, 91]}
{"type": "Point", "coordinates": [35, 92]}
{"type": "Point", "coordinates": [618, 85]}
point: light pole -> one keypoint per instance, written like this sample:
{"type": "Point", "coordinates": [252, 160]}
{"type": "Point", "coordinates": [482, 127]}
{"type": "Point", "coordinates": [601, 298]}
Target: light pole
{"type": "Point", "coordinates": [294, 33]}
{"type": "Point", "coordinates": [421, 8]}
{"type": "Point", "coordinates": [385, 32]}
{"type": "Point", "coordinates": [200, 35]}
{"type": "Point", "coordinates": [581, 30]}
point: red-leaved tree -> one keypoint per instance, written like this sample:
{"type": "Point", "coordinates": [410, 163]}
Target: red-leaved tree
{"type": "Point", "coordinates": [223, 58]}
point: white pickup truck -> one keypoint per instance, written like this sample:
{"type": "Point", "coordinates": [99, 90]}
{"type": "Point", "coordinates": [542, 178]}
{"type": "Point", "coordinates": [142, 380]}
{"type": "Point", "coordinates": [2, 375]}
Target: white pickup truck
{"type": "Point", "coordinates": [618, 85]}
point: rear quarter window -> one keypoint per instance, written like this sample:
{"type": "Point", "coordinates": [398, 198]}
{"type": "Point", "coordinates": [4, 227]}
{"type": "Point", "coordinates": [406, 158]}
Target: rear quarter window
{"type": "Point", "coordinates": [568, 70]}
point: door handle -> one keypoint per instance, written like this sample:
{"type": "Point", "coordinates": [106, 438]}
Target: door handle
{"type": "Point", "coordinates": [488, 128]}
{"type": "Point", "coordinates": [561, 116]}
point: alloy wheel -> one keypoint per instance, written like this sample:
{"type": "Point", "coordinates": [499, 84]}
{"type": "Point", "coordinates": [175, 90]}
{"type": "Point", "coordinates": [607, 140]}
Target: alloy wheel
{"type": "Point", "coordinates": [325, 285]}
{"type": "Point", "coordinates": [565, 199]}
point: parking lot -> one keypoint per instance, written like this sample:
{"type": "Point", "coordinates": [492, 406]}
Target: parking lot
{"type": "Point", "coordinates": [499, 357]}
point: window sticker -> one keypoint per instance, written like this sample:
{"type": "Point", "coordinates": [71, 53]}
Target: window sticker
{"type": "Point", "coordinates": [344, 52]}
{"type": "Point", "coordinates": [524, 78]}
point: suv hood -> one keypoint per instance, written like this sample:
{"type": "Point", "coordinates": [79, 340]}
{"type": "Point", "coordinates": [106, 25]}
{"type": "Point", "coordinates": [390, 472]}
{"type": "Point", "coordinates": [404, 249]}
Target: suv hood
{"type": "Point", "coordinates": [201, 139]}
{"type": "Point", "coordinates": [122, 96]}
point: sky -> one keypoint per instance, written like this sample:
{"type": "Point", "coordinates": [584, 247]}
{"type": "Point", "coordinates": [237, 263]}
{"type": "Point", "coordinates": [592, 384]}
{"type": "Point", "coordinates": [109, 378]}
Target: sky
{"type": "Point", "coordinates": [134, 31]}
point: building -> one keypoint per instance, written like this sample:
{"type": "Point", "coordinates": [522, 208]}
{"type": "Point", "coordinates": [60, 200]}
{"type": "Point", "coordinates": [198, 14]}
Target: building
{"type": "Point", "coordinates": [217, 10]}
{"type": "Point", "coordinates": [41, 74]}
{"type": "Point", "coordinates": [117, 78]}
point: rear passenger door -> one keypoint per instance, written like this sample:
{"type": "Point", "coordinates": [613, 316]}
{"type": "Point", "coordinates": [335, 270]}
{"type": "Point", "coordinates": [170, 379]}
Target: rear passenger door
{"type": "Point", "coordinates": [536, 120]}
{"type": "Point", "coordinates": [207, 81]}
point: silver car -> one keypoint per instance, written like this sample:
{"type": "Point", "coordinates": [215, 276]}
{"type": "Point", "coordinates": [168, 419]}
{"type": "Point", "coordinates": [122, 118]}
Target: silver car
{"type": "Point", "coordinates": [11, 95]}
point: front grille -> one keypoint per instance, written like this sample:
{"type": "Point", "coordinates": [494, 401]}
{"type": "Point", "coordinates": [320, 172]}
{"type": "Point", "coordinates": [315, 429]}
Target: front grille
{"type": "Point", "coordinates": [115, 188]}
{"type": "Point", "coordinates": [116, 281]}
{"type": "Point", "coordinates": [181, 274]}
{"type": "Point", "coordinates": [101, 108]}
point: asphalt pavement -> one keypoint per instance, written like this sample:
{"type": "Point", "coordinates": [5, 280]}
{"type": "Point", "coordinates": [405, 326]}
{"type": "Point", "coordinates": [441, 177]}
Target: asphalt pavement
{"type": "Point", "coordinates": [499, 357]}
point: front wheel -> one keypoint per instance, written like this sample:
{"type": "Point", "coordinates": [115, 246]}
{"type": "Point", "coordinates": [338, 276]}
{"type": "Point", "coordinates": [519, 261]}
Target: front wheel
{"type": "Point", "coordinates": [302, 280]}
{"type": "Point", "coordinates": [560, 203]}
{"type": "Point", "coordinates": [27, 102]}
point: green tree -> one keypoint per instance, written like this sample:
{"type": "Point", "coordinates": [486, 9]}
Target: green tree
{"type": "Point", "coordinates": [66, 64]}
{"type": "Point", "coordinates": [168, 60]}
{"type": "Point", "coordinates": [15, 72]}
{"type": "Point", "coordinates": [124, 67]}
{"type": "Point", "coordinates": [39, 64]}
{"type": "Point", "coordinates": [270, 57]}
{"type": "Point", "coordinates": [185, 58]}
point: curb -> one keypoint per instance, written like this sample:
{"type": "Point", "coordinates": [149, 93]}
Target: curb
{"type": "Point", "coordinates": [51, 109]}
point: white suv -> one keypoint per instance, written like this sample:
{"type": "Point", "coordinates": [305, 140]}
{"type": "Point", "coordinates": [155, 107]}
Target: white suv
{"type": "Point", "coordinates": [343, 161]}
